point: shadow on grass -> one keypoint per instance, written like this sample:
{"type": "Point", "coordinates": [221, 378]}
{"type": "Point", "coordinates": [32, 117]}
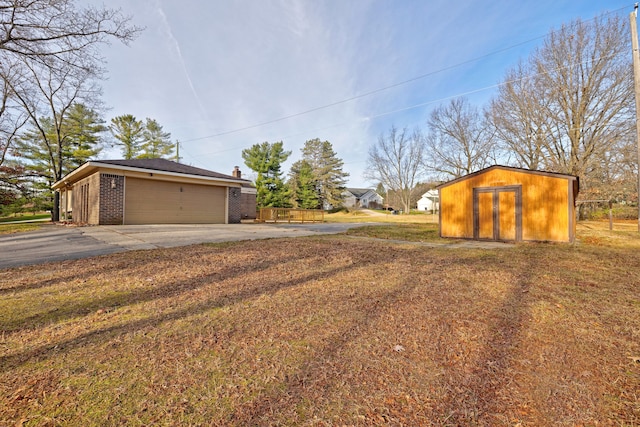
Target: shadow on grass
{"type": "Point", "coordinates": [471, 397]}
{"type": "Point", "coordinates": [230, 297]}
{"type": "Point", "coordinates": [474, 396]}
{"type": "Point", "coordinates": [301, 384]}
{"type": "Point", "coordinates": [132, 261]}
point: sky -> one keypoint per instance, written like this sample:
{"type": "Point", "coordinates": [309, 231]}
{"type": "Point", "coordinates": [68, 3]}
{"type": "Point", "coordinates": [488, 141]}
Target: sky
{"type": "Point", "coordinates": [223, 75]}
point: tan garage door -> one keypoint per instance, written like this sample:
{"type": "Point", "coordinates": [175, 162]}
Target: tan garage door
{"type": "Point", "coordinates": [159, 202]}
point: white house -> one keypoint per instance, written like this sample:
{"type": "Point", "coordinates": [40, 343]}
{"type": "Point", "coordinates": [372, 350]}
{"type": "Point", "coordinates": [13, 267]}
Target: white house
{"type": "Point", "coordinates": [430, 201]}
{"type": "Point", "coordinates": [361, 198]}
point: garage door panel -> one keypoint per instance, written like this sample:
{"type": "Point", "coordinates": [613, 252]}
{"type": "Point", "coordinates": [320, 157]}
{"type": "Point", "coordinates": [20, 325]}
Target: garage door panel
{"type": "Point", "coordinates": [160, 202]}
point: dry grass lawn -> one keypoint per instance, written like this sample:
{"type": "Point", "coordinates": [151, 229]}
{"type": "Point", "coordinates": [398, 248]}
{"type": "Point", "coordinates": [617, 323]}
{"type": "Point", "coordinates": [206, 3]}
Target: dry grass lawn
{"type": "Point", "coordinates": [327, 331]}
{"type": "Point", "coordinates": [18, 228]}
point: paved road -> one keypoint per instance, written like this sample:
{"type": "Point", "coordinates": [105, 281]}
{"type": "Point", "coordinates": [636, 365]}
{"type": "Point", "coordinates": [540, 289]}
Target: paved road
{"type": "Point", "coordinates": [57, 243]}
{"type": "Point", "coordinates": [49, 243]}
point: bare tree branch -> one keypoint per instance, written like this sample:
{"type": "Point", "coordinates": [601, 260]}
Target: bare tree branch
{"type": "Point", "coordinates": [569, 106]}
{"type": "Point", "coordinates": [459, 141]}
{"type": "Point", "coordinates": [45, 37]}
{"type": "Point", "coordinates": [396, 162]}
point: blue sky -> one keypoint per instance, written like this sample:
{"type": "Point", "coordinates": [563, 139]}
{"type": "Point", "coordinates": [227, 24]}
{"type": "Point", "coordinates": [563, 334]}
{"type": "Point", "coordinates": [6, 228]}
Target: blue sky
{"type": "Point", "coordinates": [210, 71]}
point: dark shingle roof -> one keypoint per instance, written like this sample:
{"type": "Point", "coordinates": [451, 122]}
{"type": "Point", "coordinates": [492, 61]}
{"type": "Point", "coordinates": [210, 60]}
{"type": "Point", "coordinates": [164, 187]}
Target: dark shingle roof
{"type": "Point", "coordinates": [359, 192]}
{"type": "Point", "coordinates": [166, 166]}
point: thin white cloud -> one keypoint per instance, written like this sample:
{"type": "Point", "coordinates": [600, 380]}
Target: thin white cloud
{"type": "Point", "coordinates": [174, 46]}
{"type": "Point", "coordinates": [205, 67]}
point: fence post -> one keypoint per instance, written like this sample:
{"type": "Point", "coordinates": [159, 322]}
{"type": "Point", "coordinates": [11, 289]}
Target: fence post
{"type": "Point", "coordinates": [610, 215]}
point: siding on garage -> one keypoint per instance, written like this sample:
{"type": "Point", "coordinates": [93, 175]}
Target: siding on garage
{"type": "Point", "coordinates": [163, 202]}
{"type": "Point", "coordinates": [502, 203]}
{"type": "Point", "coordinates": [86, 199]}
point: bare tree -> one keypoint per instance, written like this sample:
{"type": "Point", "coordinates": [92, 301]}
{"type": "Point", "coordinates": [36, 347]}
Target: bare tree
{"type": "Point", "coordinates": [55, 35]}
{"type": "Point", "coordinates": [521, 125]}
{"type": "Point", "coordinates": [48, 98]}
{"type": "Point", "coordinates": [12, 118]}
{"type": "Point", "coordinates": [572, 100]}
{"type": "Point", "coordinates": [459, 141]}
{"type": "Point", "coordinates": [49, 51]}
{"type": "Point", "coordinates": [396, 162]}
{"type": "Point", "coordinates": [57, 31]}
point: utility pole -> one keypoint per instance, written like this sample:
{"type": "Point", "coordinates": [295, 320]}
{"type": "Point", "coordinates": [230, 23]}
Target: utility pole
{"type": "Point", "coordinates": [633, 18]}
{"type": "Point", "coordinates": [177, 151]}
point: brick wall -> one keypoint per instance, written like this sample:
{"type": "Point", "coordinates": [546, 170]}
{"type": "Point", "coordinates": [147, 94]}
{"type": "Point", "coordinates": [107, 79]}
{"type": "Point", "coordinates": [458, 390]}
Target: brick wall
{"type": "Point", "coordinates": [111, 199]}
{"type": "Point", "coordinates": [235, 205]}
{"type": "Point", "coordinates": [248, 205]}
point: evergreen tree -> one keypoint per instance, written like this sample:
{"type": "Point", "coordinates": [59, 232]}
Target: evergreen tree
{"type": "Point", "coordinates": [53, 148]}
{"type": "Point", "coordinates": [53, 151]}
{"type": "Point", "coordinates": [156, 143]}
{"type": "Point", "coordinates": [266, 159]}
{"type": "Point", "coordinates": [128, 131]}
{"type": "Point", "coordinates": [303, 186]}
{"type": "Point", "coordinates": [329, 178]}
{"type": "Point", "coordinates": [49, 61]}
{"type": "Point", "coordinates": [83, 129]}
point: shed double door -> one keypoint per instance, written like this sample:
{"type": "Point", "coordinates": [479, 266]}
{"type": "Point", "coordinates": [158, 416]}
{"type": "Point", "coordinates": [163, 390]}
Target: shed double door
{"type": "Point", "coordinates": [497, 213]}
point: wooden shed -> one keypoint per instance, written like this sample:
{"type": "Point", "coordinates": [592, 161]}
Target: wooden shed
{"type": "Point", "coordinates": [509, 204]}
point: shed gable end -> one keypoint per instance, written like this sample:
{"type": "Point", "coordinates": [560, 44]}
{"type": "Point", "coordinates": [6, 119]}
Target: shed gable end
{"type": "Point", "coordinates": [547, 205]}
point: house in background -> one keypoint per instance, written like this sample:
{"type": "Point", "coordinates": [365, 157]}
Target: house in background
{"type": "Point", "coordinates": [361, 198]}
{"type": "Point", "coordinates": [430, 201]}
{"type": "Point", "coordinates": [153, 191]}
{"type": "Point", "coordinates": [509, 204]}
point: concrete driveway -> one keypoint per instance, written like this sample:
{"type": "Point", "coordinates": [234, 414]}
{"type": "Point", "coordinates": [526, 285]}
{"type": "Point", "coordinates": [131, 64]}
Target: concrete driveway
{"type": "Point", "coordinates": [57, 243]}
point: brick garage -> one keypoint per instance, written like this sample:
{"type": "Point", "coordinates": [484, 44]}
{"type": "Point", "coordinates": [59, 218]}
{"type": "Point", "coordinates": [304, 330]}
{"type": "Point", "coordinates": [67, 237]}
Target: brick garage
{"type": "Point", "coordinates": [153, 191]}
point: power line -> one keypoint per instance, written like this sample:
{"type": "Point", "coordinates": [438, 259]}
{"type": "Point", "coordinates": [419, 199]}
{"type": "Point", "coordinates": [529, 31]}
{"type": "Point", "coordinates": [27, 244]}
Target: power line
{"type": "Point", "coordinates": [433, 101]}
{"type": "Point", "coordinates": [384, 88]}
{"type": "Point", "coordinates": [362, 95]}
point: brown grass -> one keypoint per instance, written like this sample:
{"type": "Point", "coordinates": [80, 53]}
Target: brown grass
{"type": "Point", "coordinates": [359, 215]}
{"type": "Point", "coordinates": [18, 228]}
{"type": "Point", "coordinates": [415, 232]}
{"type": "Point", "coordinates": [325, 331]}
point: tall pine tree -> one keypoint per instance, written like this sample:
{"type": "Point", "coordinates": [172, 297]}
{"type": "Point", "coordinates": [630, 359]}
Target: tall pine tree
{"type": "Point", "coordinates": [53, 148]}
{"type": "Point", "coordinates": [266, 160]}
{"type": "Point", "coordinates": [303, 185]}
{"type": "Point", "coordinates": [53, 151]}
{"type": "Point", "coordinates": [330, 180]}
{"type": "Point", "coordinates": [156, 142]}
{"type": "Point", "coordinates": [128, 132]}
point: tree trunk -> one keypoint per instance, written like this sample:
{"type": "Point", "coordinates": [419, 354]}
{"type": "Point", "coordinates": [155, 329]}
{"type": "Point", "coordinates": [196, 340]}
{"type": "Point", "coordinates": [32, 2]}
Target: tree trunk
{"type": "Point", "coordinates": [55, 212]}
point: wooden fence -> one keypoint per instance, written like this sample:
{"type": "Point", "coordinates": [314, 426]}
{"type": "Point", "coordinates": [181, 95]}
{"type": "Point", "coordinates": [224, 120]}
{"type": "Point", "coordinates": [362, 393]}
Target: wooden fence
{"type": "Point", "coordinates": [290, 215]}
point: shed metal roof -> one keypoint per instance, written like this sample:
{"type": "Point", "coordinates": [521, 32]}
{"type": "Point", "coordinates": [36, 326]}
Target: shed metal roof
{"type": "Point", "coordinates": [529, 171]}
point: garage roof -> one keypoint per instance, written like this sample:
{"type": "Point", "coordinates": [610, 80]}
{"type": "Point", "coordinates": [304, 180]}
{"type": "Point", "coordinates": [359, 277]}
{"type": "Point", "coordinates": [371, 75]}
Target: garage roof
{"type": "Point", "coordinates": [166, 166]}
{"type": "Point", "coordinates": [158, 166]}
